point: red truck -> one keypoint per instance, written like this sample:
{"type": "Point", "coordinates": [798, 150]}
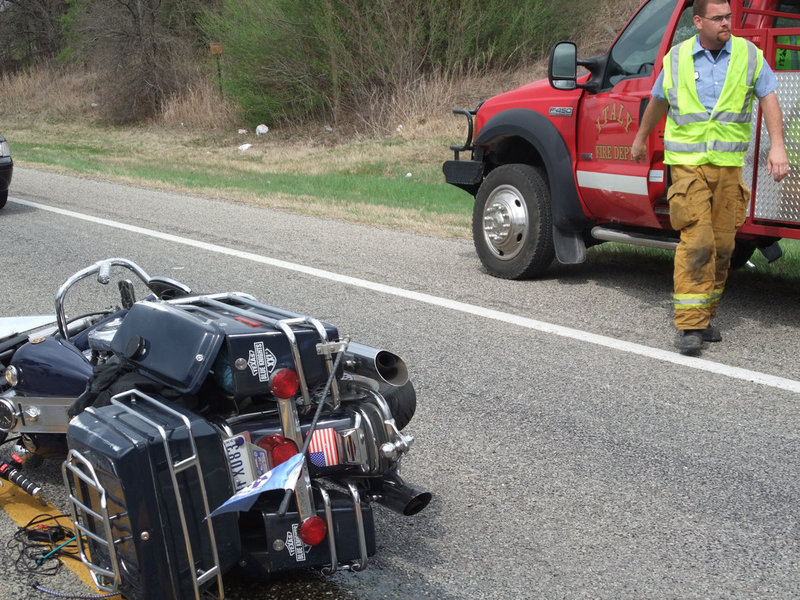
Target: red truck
{"type": "Point", "coordinates": [550, 164]}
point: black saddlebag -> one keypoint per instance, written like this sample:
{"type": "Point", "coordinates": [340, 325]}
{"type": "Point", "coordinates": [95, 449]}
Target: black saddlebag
{"type": "Point", "coordinates": [142, 475]}
{"type": "Point", "coordinates": [271, 544]}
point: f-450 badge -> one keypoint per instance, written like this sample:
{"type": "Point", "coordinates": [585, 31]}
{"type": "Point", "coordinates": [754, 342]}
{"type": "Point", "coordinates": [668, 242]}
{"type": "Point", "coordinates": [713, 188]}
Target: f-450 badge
{"type": "Point", "coordinates": [261, 361]}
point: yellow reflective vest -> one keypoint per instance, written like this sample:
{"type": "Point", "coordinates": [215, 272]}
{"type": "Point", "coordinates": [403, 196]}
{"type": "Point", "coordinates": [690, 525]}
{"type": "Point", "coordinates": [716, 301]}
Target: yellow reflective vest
{"type": "Point", "coordinates": [694, 136]}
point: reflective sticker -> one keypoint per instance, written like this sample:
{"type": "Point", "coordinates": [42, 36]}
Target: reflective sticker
{"type": "Point", "coordinates": [261, 361]}
{"type": "Point", "coordinates": [295, 545]}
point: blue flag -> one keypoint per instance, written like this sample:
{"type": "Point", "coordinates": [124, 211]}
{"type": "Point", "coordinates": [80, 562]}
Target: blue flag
{"type": "Point", "coordinates": [284, 476]}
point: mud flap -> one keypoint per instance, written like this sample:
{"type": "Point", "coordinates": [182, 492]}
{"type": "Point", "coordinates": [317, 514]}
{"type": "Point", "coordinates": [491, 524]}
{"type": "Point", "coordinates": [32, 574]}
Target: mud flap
{"type": "Point", "coordinates": [569, 245]}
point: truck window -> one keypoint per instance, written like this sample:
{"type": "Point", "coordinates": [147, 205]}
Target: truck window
{"type": "Point", "coordinates": [636, 49]}
{"type": "Point", "coordinates": [792, 7]}
{"type": "Point", "coordinates": [686, 27]}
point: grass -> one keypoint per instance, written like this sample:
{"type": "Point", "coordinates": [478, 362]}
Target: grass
{"type": "Point", "coordinates": [392, 181]}
{"type": "Point", "coordinates": [784, 271]}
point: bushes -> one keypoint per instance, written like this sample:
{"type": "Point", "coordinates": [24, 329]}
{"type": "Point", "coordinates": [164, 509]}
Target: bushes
{"type": "Point", "coordinates": [345, 61]}
{"type": "Point", "coordinates": [342, 59]}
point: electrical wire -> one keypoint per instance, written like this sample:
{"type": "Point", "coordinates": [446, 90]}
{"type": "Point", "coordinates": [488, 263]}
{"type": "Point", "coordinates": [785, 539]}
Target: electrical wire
{"type": "Point", "coordinates": [40, 547]}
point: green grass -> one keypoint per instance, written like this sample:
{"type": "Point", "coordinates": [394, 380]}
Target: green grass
{"type": "Point", "coordinates": [785, 270]}
{"type": "Point", "coordinates": [348, 177]}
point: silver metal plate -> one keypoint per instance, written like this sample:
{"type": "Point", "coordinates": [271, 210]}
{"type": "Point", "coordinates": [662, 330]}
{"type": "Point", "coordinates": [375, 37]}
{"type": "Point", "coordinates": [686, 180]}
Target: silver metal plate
{"type": "Point", "coordinates": [778, 201]}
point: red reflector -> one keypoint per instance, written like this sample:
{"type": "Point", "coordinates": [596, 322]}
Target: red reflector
{"type": "Point", "coordinates": [285, 383]}
{"type": "Point", "coordinates": [248, 322]}
{"type": "Point", "coordinates": [279, 449]}
{"type": "Point", "coordinates": [313, 530]}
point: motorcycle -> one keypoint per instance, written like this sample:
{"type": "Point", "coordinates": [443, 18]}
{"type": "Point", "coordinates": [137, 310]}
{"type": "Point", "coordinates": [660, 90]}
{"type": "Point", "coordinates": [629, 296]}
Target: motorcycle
{"type": "Point", "coordinates": [205, 435]}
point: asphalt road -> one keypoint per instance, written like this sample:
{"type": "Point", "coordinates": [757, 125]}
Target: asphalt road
{"type": "Point", "coordinates": [571, 452]}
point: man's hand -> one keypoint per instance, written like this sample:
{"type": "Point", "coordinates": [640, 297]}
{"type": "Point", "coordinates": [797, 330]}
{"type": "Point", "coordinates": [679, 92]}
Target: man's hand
{"type": "Point", "coordinates": [638, 150]}
{"type": "Point", "coordinates": [652, 115]}
{"type": "Point", "coordinates": [777, 163]}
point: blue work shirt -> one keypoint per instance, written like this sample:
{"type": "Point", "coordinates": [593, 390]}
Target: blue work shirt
{"type": "Point", "coordinates": [710, 76]}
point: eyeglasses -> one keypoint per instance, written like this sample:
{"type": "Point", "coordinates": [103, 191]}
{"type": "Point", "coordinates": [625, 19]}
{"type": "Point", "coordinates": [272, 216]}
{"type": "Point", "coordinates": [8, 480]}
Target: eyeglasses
{"type": "Point", "coordinates": [718, 19]}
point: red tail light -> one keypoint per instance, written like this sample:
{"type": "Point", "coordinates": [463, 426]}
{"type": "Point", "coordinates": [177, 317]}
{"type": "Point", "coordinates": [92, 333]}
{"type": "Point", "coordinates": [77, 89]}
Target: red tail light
{"type": "Point", "coordinates": [285, 383]}
{"type": "Point", "coordinates": [313, 530]}
{"type": "Point", "coordinates": [279, 449]}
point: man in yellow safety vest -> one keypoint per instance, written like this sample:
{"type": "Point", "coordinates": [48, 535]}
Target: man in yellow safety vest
{"type": "Point", "coordinates": [706, 87]}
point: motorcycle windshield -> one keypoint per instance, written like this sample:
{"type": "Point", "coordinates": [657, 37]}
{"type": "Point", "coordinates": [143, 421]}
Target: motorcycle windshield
{"type": "Point", "coordinates": [10, 326]}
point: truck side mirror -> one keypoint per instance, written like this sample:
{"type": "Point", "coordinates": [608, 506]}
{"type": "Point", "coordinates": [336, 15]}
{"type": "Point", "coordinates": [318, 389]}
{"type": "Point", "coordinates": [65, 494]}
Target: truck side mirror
{"type": "Point", "coordinates": [563, 67]}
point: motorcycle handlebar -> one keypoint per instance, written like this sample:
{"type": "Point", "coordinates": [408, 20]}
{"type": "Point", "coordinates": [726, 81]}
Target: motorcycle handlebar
{"type": "Point", "coordinates": [9, 469]}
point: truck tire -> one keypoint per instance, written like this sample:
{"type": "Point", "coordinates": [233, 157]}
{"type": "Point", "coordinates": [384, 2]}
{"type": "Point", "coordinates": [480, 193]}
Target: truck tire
{"type": "Point", "coordinates": [3, 198]}
{"type": "Point", "coordinates": [512, 222]}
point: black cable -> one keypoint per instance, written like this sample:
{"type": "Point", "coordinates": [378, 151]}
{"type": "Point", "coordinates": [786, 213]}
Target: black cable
{"type": "Point", "coordinates": [41, 545]}
{"type": "Point", "coordinates": [7, 440]}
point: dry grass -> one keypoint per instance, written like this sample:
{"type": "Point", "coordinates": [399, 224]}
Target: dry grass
{"type": "Point", "coordinates": [200, 107]}
{"type": "Point", "coordinates": [49, 94]}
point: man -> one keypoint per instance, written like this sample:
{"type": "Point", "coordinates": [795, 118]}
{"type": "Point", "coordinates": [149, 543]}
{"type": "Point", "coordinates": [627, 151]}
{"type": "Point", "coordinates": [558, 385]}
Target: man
{"type": "Point", "coordinates": [708, 83]}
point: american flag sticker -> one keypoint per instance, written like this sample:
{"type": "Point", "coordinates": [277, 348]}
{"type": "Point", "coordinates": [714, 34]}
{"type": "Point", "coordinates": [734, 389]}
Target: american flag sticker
{"type": "Point", "coordinates": [322, 450]}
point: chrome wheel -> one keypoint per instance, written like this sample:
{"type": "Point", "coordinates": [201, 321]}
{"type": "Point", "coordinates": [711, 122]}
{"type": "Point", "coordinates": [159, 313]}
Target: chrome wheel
{"type": "Point", "coordinates": [505, 222]}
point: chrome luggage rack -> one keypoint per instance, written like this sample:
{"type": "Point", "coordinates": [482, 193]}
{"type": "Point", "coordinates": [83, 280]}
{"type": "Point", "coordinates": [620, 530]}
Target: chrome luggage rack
{"type": "Point", "coordinates": [361, 563]}
{"type": "Point", "coordinates": [246, 306]}
{"type": "Point", "coordinates": [76, 468]}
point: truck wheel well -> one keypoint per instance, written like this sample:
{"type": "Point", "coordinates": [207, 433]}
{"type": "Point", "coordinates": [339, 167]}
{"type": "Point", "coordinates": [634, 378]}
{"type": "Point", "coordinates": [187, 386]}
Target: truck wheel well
{"type": "Point", "coordinates": [520, 135]}
{"type": "Point", "coordinates": [513, 150]}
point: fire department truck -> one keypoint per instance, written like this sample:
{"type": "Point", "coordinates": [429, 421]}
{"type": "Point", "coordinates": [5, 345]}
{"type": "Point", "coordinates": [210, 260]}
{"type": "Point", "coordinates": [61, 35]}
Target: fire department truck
{"type": "Point", "coordinates": [550, 165]}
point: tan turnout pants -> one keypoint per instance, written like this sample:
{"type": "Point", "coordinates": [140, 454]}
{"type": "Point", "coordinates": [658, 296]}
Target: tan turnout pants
{"type": "Point", "coordinates": [707, 205]}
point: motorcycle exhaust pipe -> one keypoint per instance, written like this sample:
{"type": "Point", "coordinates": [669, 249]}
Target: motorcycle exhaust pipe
{"type": "Point", "coordinates": [401, 497]}
{"type": "Point", "coordinates": [377, 364]}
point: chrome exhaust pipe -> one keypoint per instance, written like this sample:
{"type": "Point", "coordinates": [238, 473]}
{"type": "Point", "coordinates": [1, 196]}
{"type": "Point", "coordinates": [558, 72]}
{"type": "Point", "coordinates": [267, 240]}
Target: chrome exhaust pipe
{"type": "Point", "coordinates": [377, 364]}
{"type": "Point", "coordinates": [401, 497]}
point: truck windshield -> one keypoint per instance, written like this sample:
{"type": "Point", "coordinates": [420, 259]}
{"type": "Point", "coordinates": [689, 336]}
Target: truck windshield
{"type": "Point", "coordinates": [636, 49]}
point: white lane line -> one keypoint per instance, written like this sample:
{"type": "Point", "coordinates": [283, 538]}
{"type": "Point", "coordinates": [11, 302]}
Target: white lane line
{"type": "Point", "coordinates": [479, 311]}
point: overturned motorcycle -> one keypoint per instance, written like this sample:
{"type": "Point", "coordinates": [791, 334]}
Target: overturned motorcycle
{"type": "Point", "coordinates": [208, 434]}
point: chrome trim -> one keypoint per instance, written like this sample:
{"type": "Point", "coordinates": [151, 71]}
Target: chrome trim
{"type": "Point", "coordinates": [290, 423]}
{"type": "Point", "coordinates": [52, 414]}
{"type": "Point", "coordinates": [103, 270]}
{"type": "Point", "coordinates": [13, 415]}
{"type": "Point", "coordinates": [362, 538]}
{"type": "Point", "coordinates": [82, 514]}
{"type": "Point", "coordinates": [326, 501]}
{"type": "Point", "coordinates": [635, 239]}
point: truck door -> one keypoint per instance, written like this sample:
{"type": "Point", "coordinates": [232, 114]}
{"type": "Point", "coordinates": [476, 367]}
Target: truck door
{"type": "Point", "coordinates": [614, 187]}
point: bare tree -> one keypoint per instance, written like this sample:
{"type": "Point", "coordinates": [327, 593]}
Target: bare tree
{"type": "Point", "coordinates": [31, 31]}
{"type": "Point", "coordinates": [147, 51]}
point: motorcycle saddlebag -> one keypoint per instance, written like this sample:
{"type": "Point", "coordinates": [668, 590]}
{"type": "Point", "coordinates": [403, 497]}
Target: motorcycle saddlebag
{"type": "Point", "coordinates": [142, 475]}
{"type": "Point", "coordinates": [271, 544]}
